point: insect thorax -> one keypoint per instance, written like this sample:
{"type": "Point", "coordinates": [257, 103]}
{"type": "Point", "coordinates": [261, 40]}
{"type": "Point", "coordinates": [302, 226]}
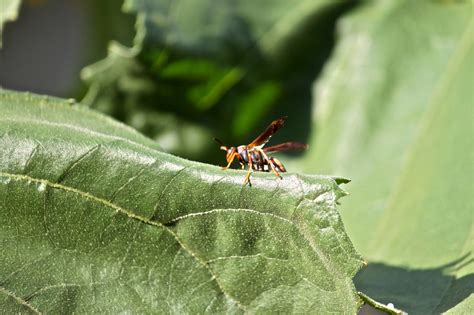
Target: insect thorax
{"type": "Point", "coordinates": [243, 152]}
{"type": "Point", "coordinates": [241, 148]}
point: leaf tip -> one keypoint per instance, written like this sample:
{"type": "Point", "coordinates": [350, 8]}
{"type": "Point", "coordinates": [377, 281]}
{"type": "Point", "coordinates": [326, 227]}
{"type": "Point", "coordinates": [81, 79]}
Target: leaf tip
{"type": "Point", "coordinates": [340, 180]}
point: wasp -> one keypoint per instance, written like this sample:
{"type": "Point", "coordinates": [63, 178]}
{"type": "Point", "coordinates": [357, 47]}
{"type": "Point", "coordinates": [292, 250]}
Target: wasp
{"type": "Point", "coordinates": [256, 157]}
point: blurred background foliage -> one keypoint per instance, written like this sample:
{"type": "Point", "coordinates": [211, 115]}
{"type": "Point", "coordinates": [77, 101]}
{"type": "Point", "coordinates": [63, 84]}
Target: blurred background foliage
{"type": "Point", "coordinates": [381, 90]}
{"type": "Point", "coordinates": [195, 69]}
{"type": "Point", "coordinates": [215, 69]}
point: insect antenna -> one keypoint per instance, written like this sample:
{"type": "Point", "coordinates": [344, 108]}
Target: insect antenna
{"type": "Point", "coordinates": [218, 141]}
{"type": "Point", "coordinates": [223, 146]}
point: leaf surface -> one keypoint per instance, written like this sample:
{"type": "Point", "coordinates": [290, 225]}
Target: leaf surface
{"type": "Point", "coordinates": [394, 113]}
{"type": "Point", "coordinates": [95, 218]}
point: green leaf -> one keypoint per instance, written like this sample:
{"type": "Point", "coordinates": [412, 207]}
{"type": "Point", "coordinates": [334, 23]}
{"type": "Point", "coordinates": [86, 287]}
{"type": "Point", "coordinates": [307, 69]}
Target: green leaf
{"type": "Point", "coordinates": [223, 62]}
{"type": "Point", "coordinates": [9, 12]}
{"type": "Point", "coordinates": [394, 113]}
{"type": "Point", "coordinates": [95, 218]}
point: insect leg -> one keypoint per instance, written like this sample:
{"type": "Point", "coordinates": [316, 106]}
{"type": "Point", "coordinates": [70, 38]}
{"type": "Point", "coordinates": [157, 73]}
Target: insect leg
{"type": "Point", "coordinates": [278, 165]}
{"type": "Point", "coordinates": [247, 177]}
{"type": "Point", "coordinates": [231, 160]}
{"type": "Point", "coordinates": [270, 163]}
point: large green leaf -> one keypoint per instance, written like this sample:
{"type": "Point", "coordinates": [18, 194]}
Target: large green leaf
{"type": "Point", "coordinates": [222, 62]}
{"type": "Point", "coordinates": [95, 218]}
{"type": "Point", "coordinates": [9, 12]}
{"type": "Point", "coordinates": [394, 113]}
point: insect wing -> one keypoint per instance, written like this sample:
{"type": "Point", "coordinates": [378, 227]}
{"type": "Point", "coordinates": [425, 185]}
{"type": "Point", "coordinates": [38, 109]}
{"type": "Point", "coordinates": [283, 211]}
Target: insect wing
{"type": "Point", "coordinates": [287, 146]}
{"type": "Point", "coordinates": [263, 138]}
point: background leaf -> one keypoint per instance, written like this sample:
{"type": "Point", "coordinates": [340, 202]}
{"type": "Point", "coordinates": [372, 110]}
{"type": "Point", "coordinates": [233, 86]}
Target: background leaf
{"type": "Point", "coordinates": [9, 12]}
{"type": "Point", "coordinates": [95, 218]}
{"type": "Point", "coordinates": [394, 113]}
{"type": "Point", "coordinates": [50, 42]}
{"type": "Point", "coordinates": [221, 65]}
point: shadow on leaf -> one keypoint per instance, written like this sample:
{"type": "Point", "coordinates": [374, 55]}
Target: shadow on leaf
{"type": "Point", "coordinates": [417, 291]}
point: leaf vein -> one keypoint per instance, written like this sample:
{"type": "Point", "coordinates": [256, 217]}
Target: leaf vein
{"type": "Point", "coordinates": [155, 208]}
{"type": "Point", "coordinates": [245, 257]}
{"type": "Point", "coordinates": [32, 154]}
{"type": "Point", "coordinates": [131, 179]}
{"type": "Point", "coordinates": [195, 214]}
{"type": "Point", "coordinates": [19, 300]}
{"type": "Point", "coordinates": [45, 221]}
{"type": "Point", "coordinates": [210, 304]}
{"type": "Point", "coordinates": [304, 233]}
{"type": "Point", "coordinates": [129, 247]}
{"type": "Point", "coordinates": [117, 208]}
{"type": "Point", "coordinates": [170, 277]}
{"type": "Point", "coordinates": [60, 285]}
{"type": "Point", "coordinates": [4, 280]}
{"type": "Point", "coordinates": [77, 161]}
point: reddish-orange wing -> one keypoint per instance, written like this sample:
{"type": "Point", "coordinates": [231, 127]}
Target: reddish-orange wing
{"type": "Point", "coordinates": [263, 138]}
{"type": "Point", "coordinates": [287, 146]}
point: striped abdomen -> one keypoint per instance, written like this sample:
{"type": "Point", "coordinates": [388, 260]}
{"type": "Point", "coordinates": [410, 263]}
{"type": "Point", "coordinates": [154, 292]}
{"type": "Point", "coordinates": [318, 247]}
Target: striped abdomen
{"type": "Point", "coordinates": [259, 161]}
